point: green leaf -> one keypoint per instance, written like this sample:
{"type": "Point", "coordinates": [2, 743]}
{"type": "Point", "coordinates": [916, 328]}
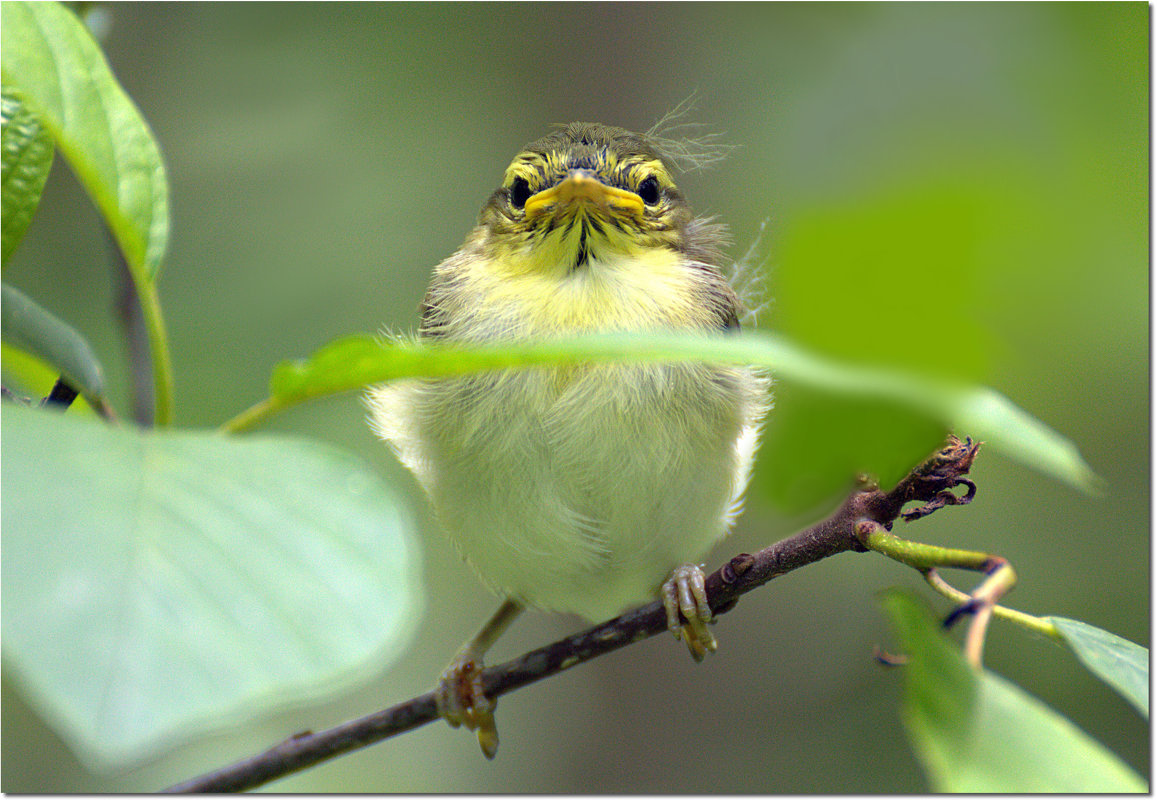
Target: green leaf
{"type": "Point", "coordinates": [25, 160]}
{"type": "Point", "coordinates": [975, 732]}
{"type": "Point", "coordinates": [159, 585]}
{"type": "Point", "coordinates": [874, 280]}
{"type": "Point", "coordinates": [51, 61]}
{"type": "Point", "coordinates": [343, 365]}
{"type": "Point", "coordinates": [1007, 428]}
{"type": "Point", "coordinates": [1121, 664]}
{"type": "Point", "coordinates": [28, 376]}
{"type": "Point", "coordinates": [28, 326]}
{"type": "Point", "coordinates": [815, 443]}
{"type": "Point", "coordinates": [357, 361]}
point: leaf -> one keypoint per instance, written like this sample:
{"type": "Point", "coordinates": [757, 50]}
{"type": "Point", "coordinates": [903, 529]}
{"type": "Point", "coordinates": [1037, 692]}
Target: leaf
{"type": "Point", "coordinates": [975, 732]}
{"type": "Point", "coordinates": [354, 362]}
{"type": "Point", "coordinates": [28, 326]}
{"type": "Point", "coordinates": [160, 585]}
{"type": "Point", "coordinates": [51, 61]}
{"type": "Point", "coordinates": [816, 442]}
{"type": "Point", "coordinates": [1009, 429]}
{"type": "Point", "coordinates": [1121, 664]}
{"type": "Point", "coordinates": [25, 159]}
{"type": "Point", "coordinates": [28, 377]}
{"type": "Point", "coordinates": [343, 365]}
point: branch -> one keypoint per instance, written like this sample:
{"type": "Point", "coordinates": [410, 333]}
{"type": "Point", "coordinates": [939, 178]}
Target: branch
{"type": "Point", "coordinates": [931, 483]}
{"type": "Point", "coordinates": [128, 308]}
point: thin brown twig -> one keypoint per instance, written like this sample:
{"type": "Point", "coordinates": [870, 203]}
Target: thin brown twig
{"type": "Point", "coordinates": [741, 574]}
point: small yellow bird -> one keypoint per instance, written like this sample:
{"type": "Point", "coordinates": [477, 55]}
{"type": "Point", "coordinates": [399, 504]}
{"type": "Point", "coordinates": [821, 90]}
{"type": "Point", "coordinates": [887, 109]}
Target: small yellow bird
{"type": "Point", "coordinates": [580, 488]}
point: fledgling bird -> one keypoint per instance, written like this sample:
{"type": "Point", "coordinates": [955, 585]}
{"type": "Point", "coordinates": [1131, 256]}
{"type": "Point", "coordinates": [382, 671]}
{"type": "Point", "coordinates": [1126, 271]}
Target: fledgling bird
{"type": "Point", "coordinates": [580, 488]}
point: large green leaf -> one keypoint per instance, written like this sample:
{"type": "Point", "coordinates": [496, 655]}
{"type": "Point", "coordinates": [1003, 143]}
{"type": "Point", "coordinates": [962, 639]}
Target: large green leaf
{"type": "Point", "coordinates": [1121, 664]}
{"type": "Point", "coordinates": [25, 159]}
{"type": "Point", "coordinates": [51, 61]}
{"type": "Point", "coordinates": [158, 585]}
{"type": "Point", "coordinates": [816, 442]}
{"type": "Point", "coordinates": [354, 362]}
{"type": "Point", "coordinates": [974, 732]}
{"type": "Point", "coordinates": [28, 326]}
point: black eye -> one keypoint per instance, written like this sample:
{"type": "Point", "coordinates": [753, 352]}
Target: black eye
{"type": "Point", "coordinates": [519, 193]}
{"type": "Point", "coordinates": [649, 190]}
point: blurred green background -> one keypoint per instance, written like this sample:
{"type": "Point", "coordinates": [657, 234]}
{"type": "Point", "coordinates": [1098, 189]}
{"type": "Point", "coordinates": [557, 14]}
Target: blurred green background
{"type": "Point", "coordinates": [954, 187]}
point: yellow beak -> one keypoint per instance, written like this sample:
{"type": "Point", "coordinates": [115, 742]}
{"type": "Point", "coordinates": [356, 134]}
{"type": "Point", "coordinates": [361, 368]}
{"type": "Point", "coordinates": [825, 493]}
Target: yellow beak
{"type": "Point", "coordinates": [582, 185]}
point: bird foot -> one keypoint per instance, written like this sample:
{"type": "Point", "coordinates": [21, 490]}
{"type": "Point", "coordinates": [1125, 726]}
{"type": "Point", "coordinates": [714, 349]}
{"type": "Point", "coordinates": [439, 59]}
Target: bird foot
{"type": "Point", "coordinates": [461, 700]}
{"type": "Point", "coordinates": [685, 599]}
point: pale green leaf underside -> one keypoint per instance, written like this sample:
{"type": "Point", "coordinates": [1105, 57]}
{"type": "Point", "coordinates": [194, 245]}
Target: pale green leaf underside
{"type": "Point", "coordinates": [978, 412]}
{"type": "Point", "coordinates": [160, 585]}
{"type": "Point", "coordinates": [25, 160]}
{"type": "Point", "coordinates": [27, 326]}
{"type": "Point", "coordinates": [51, 61]}
{"type": "Point", "coordinates": [974, 732]}
{"type": "Point", "coordinates": [1121, 664]}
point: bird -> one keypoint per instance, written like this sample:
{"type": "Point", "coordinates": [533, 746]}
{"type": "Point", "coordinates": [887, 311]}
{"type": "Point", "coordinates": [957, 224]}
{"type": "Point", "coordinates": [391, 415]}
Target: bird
{"type": "Point", "coordinates": [580, 488]}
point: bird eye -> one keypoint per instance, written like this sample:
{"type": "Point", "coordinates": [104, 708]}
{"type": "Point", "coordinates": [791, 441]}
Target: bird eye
{"type": "Point", "coordinates": [649, 190]}
{"type": "Point", "coordinates": [519, 192]}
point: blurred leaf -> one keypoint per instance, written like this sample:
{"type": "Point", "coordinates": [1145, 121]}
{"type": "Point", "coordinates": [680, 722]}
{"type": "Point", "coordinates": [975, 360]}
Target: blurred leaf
{"type": "Point", "coordinates": [1121, 664]}
{"type": "Point", "coordinates": [1011, 430]}
{"type": "Point", "coordinates": [52, 62]}
{"type": "Point", "coordinates": [159, 585]}
{"type": "Point", "coordinates": [815, 443]}
{"type": "Point", "coordinates": [974, 732]}
{"type": "Point", "coordinates": [912, 403]}
{"type": "Point", "coordinates": [27, 326]}
{"type": "Point", "coordinates": [900, 281]}
{"type": "Point", "coordinates": [25, 159]}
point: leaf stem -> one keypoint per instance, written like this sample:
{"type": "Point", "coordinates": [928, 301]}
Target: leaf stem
{"type": "Point", "coordinates": [159, 348]}
{"type": "Point", "coordinates": [999, 576]}
{"type": "Point", "coordinates": [253, 416]}
{"type": "Point", "coordinates": [1031, 622]}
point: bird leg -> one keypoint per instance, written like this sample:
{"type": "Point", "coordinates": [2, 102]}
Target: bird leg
{"type": "Point", "coordinates": [685, 599]}
{"type": "Point", "coordinates": [460, 696]}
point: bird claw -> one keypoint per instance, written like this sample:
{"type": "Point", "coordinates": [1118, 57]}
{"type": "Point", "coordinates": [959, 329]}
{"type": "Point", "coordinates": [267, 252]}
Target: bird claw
{"type": "Point", "coordinates": [461, 700]}
{"type": "Point", "coordinates": [685, 599]}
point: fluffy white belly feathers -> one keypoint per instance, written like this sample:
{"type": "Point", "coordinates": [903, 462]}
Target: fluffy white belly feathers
{"type": "Point", "coordinates": [579, 489]}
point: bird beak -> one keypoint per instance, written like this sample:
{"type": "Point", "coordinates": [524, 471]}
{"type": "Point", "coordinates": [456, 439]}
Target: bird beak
{"type": "Point", "coordinates": [582, 185]}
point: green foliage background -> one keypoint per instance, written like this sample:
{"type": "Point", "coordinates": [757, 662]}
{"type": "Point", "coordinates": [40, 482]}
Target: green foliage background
{"type": "Point", "coordinates": [954, 187]}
